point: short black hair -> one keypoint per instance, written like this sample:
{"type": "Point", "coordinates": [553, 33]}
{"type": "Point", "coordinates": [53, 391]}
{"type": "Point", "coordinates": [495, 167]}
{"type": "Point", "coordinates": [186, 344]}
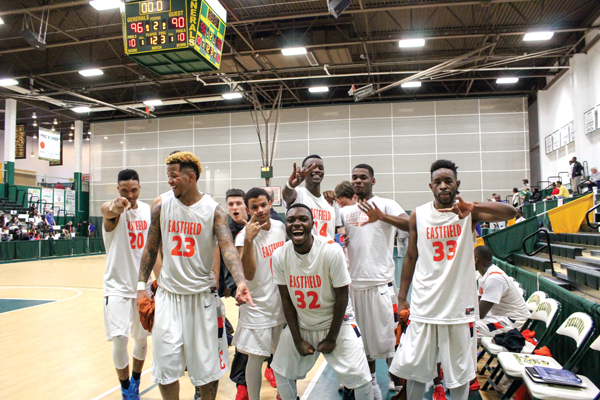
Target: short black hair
{"type": "Point", "coordinates": [234, 193]}
{"type": "Point", "coordinates": [128, 175]}
{"type": "Point", "coordinates": [558, 182]}
{"type": "Point", "coordinates": [446, 164]}
{"type": "Point", "coordinates": [174, 152]}
{"type": "Point", "coordinates": [484, 253]}
{"type": "Point", "coordinates": [367, 167]}
{"type": "Point", "coordinates": [311, 156]}
{"type": "Point", "coordinates": [255, 193]}
{"type": "Point", "coordinates": [344, 189]}
{"type": "Point", "coordinates": [300, 205]}
{"type": "Point", "coordinates": [515, 190]}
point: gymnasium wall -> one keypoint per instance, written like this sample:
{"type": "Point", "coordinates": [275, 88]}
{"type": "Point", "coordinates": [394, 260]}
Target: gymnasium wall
{"type": "Point", "coordinates": [487, 138]}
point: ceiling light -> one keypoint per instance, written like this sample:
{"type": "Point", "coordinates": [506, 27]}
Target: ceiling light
{"type": "Point", "coordinates": [318, 89]}
{"type": "Point", "coordinates": [81, 110]}
{"type": "Point", "coordinates": [533, 36]}
{"type": "Point", "coordinates": [34, 123]}
{"type": "Point", "coordinates": [53, 129]}
{"type": "Point", "coordinates": [404, 43]}
{"type": "Point", "coordinates": [412, 84]}
{"type": "Point", "coordinates": [34, 115]}
{"type": "Point", "coordinates": [503, 81]}
{"type": "Point", "coordinates": [231, 96]}
{"type": "Point", "coordinates": [153, 102]}
{"type": "Point", "coordinates": [105, 137]}
{"type": "Point", "coordinates": [70, 133]}
{"type": "Point", "coordinates": [35, 136]}
{"type": "Point", "coordinates": [91, 72]}
{"type": "Point", "coordinates": [105, 4]}
{"type": "Point", "coordinates": [32, 153]}
{"type": "Point", "coordinates": [72, 126]}
{"type": "Point", "coordinates": [8, 82]}
{"type": "Point", "coordinates": [87, 138]}
{"type": "Point", "coordinates": [293, 51]}
{"type": "Point", "coordinates": [1, 21]}
{"type": "Point", "coordinates": [90, 133]}
{"type": "Point", "coordinates": [55, 121]}
{"type": "Point", "coordinates": [70, 140]}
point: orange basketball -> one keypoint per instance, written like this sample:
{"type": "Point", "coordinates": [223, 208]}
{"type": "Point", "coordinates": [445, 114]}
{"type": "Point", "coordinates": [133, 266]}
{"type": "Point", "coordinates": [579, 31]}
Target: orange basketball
{"type": "Point", "coordinates": [42, 145]}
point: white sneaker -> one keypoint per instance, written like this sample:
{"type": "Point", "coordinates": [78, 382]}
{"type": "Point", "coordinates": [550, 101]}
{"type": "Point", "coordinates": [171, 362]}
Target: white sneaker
{"type": "Point", "coordinates": [391, 386]}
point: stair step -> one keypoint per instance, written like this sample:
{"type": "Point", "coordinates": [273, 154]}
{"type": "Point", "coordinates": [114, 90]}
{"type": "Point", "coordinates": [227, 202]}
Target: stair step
{"type": "Point", "coordinates": [595, 253]}
{"type": "Point", "coordinates": [539, 263]}
{"type": "Point", "coordinates": [560, 280]}
{"type": "Point", "coordinates": [589, 261]}
{"type": "Point", "coordinates": [583, 275]}
{"type": "Point", "coordinates": [563, 250]}
{"type": "Point", "coordinates": [576, 238]}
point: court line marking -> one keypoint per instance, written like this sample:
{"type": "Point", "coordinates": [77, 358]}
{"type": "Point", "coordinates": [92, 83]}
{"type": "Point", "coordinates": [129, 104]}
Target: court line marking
{"type": "Point", "coordinates": [40, 287]}
{"type": "Point", "coordinates": [117, 387]}
{"type": "Point", "coordinates": [314, 381]}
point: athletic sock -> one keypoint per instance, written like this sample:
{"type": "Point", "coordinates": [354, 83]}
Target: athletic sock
{"type": "Point", "coordinates": [124, 384]}
{"type": "Point", "coordinates": [136, 375]}
{"type": "Point", "coordinates": [376, 390]}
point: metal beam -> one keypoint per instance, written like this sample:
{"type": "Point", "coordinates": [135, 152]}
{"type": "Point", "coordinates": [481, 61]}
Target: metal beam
{"type": "Point", "coordinates": [43, 8]}
{"type": "Point", "coordinates": [52, 45]}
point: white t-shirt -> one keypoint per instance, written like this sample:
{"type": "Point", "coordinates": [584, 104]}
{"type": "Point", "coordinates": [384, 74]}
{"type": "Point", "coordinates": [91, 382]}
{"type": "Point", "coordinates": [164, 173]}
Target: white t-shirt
{"type": "Point", "coordinates": [443, 288]}
{"type": "Point", "coordinates": [496, 287]}
{"type": "Point", "coordinates": [124, 247]}
{"type": "Point", "coordinates": [324, 213]}
{"type": "Point", "coordinates": [188, 242]}
{"type": "Point", "coordinates": [166, 195]}
{"type": "Point", "coordinates": [310, 279]}
{"type": "Point", "coordinates": [267, 311]}
{"type": "Point", "coordinates": [371, 248]}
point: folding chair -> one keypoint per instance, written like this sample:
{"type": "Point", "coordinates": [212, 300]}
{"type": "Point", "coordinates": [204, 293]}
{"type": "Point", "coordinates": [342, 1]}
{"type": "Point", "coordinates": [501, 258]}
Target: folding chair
{"type": "Point", "coordinates": [535, 299]}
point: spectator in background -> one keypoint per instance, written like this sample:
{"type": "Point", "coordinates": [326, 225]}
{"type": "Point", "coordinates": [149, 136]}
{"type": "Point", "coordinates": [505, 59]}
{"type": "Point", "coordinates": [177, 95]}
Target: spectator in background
{"type": "Point", "coordinates": [576, 175]}
{"type": "Point", "coordinates": [69, 228]}
{"type": "Point", "coordinates": [519, 217]}
{"type": "Point", "coordinates": [50, 218]}
{"type": "Point", "coordinates": [525, 183]}
{"type": "Point", "coordinates": [525, 195]}
{"type": "Point", "coordinates": [91, 230]}
{"type": "Point", "coordinates": [32, 210]}
{"type": "Point", "coordinates": [535, 196]}
{"type": "Point", "coordinates": [515, 198]}
{"type": "Point", "coordinates": [563, 193]}
{"type": "Point", "coordinates": [554, 192]}
{"type": "Point", "coordinates": [594, 180]}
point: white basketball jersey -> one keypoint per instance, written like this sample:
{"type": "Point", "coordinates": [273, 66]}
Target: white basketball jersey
{"type": "Point", "coordinates": [267, 311]}
{"type": "Point", "coordinates": [323, 212]}
{"type": "Point", "coordinates": [188, 242]}
{"type": "Point", "coordinates": [310, 279]}
{"type": "Point", "coordinates": [124, 247]}
{"type": "Point", "coordinates": [166, 195]}
{"type": "Point", "coordinates": [443, 288]}
{"type": "Point", "coordinates": [371, 249]}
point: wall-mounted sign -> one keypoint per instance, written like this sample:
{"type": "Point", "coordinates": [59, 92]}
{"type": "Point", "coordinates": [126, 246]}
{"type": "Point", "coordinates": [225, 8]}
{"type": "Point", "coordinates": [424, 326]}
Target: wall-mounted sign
{"type": "Point", "coordinates": [59, 202]}
{"type": "Point", "coordinates": [571, 131]}
{"type": "Point", "coordinates": [548, 144]}
{"type": "Point", "coordinates": [49, 145]}
{"type": "Point", "coordinates": [20, 142]}
{"type": "Point", "coordinates": [70, 202]}
{"type": "Point", "coordinates": [556, 140]}
{"type": "Point", "coordinates": [590, 121]}
{"type": "Point", "coordinates": [47, 198]}
{"type": "Point", "coordinates": [564, 135]}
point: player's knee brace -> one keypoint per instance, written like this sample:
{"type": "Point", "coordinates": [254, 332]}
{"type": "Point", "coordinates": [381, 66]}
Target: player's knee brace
{"type": "Point", "coordinates": [364, 392]}
{"type": "Point", "coordinates": [120, 356]}
{"type": "Point", "coordinates": [286, 387]}
{"type": "Point", "coordinates": [140, 349]}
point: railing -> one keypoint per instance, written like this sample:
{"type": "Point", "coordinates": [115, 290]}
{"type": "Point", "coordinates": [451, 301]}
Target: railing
{"type": "Point", "coordinates": [553, 180]}
{"type": "Point", "coordinates": [565, 180]}
{"type": "Point", "coordinates": [592, 225]}
{"type": "Point", "coordinates": [547, 184]}
{"type": "Point", "coordinates": [533, 253]}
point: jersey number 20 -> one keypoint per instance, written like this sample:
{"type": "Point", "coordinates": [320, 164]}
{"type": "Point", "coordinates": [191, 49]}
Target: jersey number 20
{"type": "Point", "coordinates": [136, 240]}
{"type": "Point", "coordinates": [439, 250]}
{"type": "Point", "coordinates": [189, 250]}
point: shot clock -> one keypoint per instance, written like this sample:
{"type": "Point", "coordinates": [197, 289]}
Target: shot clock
{"type": "Point", "coordinates": [174, 36]}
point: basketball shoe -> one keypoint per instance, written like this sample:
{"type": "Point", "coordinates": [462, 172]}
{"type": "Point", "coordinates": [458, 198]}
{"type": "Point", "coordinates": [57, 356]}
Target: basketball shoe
{"type": "Point", "coordinates": [134, 389]}
{"type": "Point", "coordinates": [270, 376]}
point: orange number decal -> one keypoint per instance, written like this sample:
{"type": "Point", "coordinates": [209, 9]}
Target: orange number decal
{"type": "Point", "coordinates": [300, 295]}
{"type": "Point", "coordinates": [190, 244]}
{"type": "Point", "coordinates": [176, 251]}
{"type": "Point", "coordinates": [132, 239]}
{"type": "Point", "coordinates": [139, 240]}
{"type": "Point", "coordinates": [315, 298]}
{"type": "Point", "coordinates": [222, 364]}
{"type": "Point", "coordinates": [451, 245]}
{"type": "Point", "coordinates": [323, 231]}
{"type": "Point", "coordinates": [439, 251]}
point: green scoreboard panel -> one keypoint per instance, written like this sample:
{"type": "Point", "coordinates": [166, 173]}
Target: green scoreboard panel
{"type": "Point", "coordinates": [174, 36]}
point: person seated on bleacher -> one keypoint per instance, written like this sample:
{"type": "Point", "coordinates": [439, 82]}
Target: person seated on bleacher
{"type": "Point", "coordinates": [535, 196]}
{"type": "Point", "coordinates": [563, 192]}
{"type": "Point", "coordinates": [594, 179]}
{"type": "Point", "coordinates": [554, 192]}
{"type": "Point", "coordinates": [519, 217]}
{"type": "Point", "coordinates": [501, 305]}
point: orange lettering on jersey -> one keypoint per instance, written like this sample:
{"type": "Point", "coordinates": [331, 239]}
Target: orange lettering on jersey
{"type": "Point", "coordinates": [443, 232]}
{"type": "Point", "coordinates": [305, 282]}
{"type": "Point", "coordinates": [267, 251]}
{"type": "Point", "coordinates": [137, 225]}
{"type": "Point", "coordinates": [356, 217]}
{"type": "Point", "coordinates": [321, 215]}
{"type": "Point", "coordinates": [186, 228]}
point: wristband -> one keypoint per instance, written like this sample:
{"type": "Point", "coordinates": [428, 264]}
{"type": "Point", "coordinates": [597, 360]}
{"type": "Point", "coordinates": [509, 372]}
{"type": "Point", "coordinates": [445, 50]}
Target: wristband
{"type": "Point", "coordinates": [289, 186]}
{"type": "Point", "coordinates": [141, 285]}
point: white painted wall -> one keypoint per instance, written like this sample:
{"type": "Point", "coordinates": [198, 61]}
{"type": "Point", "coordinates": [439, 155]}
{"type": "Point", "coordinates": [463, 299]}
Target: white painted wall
{"type": "Point", "coordinates": [566, 100]}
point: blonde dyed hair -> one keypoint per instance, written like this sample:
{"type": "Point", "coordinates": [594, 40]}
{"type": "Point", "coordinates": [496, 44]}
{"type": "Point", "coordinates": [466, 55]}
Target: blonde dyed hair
{"type": "Point", "coordinates": [186, 159]}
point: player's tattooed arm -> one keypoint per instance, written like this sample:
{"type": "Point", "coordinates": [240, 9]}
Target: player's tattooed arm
{"type": "Point", "coordinates": [291, 317]}
{"type": "Point", "coordinates": [408, 267]}
{"type": "Point", "coordinates": [230, 255]}
{"type": "Point", "coordinates": [339, 310]}
{"type": "Point", "coordinates": [151, 250]}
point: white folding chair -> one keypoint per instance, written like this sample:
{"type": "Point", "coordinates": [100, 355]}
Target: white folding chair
{"type": "Point", "coordinates": [535, 299]}
{"type": "Point", "coordinates": [579, 326]}
{"type": "Point", "coordinates": [541, 391]}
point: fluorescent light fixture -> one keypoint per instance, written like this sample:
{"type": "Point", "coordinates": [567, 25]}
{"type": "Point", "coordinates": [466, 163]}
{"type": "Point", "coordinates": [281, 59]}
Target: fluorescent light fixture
{"type": "Point", "coordinates": [318, 89]}
{"type": "Point", "coordinates": [533, 36]}
{"type": "Point", "coordinates": [53, 129]}
{"type": "Point", "coordinates": [35, 135]}
{"type": "Point", "coordinates": [293, 51]}
{"type": "Point", "coordinates": [70, 133]}
{"type": "Point", "coordinates": [153, 102]}
{"type": "Point", "coordinates": [34, 115]}
{"type": "Point", "coordinates": [80, 110]}
{"type": "Point", "coordinates": [70, 140]}
{"type": "Point", "coordinates": [55, 122]}
{"type": "Point", "coordinates": [34, 123]}
{"type": "Point", "coordinates": [87, 138]}
{"type": "Point", "coordinates": [1, 21]}
{"type": "Point", "coordinates": [231, 96]}
{"type": "Point", "coordinates": [105, 4]}
{"type": "Point", "coordinates": [504, 81]}
{"type": "Point", "coordinates": [412, 84]}
{"type": "Point", "coordinates": [105, 137]}
{"type": "Point", "coordinates": [405, 43]}
{"type": "Point", "coordinates": [8, 82]}
{"type": "Point", "coordinates": [91, 72]}
{"type": "Point", "coordinates": [72, 126]}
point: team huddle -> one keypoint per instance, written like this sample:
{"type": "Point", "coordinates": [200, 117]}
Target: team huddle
{"type": "Point", "coordinates": [300, 292]}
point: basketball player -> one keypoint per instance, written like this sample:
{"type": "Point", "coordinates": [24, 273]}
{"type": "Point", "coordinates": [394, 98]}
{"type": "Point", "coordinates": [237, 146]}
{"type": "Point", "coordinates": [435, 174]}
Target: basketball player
{"type": "Point", "coordinates": [439, 263]}
{"type": "Point", "coordinates": [125, 223]}
{"type": "Point", "coordinates": [259, 327]}
{"type": "Point", "coordinates": [313, 284]}
{"type": "Point", "coordinates": [370, 228]}
{"type": "Point", "coordinates": [188, 323]}
{"type": "Point", "coordinates": [312, 172]}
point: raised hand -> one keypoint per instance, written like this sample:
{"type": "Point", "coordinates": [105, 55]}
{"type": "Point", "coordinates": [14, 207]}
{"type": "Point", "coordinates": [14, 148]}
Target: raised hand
{"type": "Point", "coordinates": [460, 208]}
{"type": "Point", "coordinates": [299, 174]}
{"type": "Point", "coordinates": [372, 211]}
{"type": "Point", "coordinates": [119, 205]}
{"type": "Point", "coordinates": [253, 228]}
{"type": "Point", "coordinates": [305, 348]}
{"type": "Point", "coordinates": [326, 346]}
{"type": "Point", "coordinates": [242, 294]}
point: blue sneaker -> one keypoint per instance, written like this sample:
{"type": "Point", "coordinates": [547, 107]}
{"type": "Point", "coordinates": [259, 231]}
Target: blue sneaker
{"type": "Point", "coordinates": [134, 389]}
{"type": "Point", "coordinates": [125, 393]}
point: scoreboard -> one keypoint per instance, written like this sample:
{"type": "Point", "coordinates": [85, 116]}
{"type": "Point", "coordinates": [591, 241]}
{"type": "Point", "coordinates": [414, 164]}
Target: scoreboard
{"type": "Point", "coordinates": [174, 36]}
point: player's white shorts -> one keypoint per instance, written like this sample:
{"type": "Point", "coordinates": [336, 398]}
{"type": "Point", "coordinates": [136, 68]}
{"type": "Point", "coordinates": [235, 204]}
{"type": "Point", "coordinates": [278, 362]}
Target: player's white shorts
{"type": "Point", "coordinates": [347, 359]}
{"type": "Point", "coordinates": [417, 354]}
{"type": "Point", "coordinates": [375, 309]}
{"type": "Point", "coordinates": [121, 318]}
{"type": "Point", "coordinates": [189, 332]}
{"type": "Point", "coordinates": [260, 342]}
{"type": "Point", "coordinates": [492, 325]}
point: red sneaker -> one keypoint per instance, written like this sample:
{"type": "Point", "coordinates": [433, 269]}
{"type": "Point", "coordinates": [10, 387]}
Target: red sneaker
{"type": "Point", "coordinates": [270, 376]}
{"type": "Point", "coordinates": [439, 393]}
{"type": "Point", "coordinates": [242, 393]}
{"type": "Point", "coordinates": [475, 385]}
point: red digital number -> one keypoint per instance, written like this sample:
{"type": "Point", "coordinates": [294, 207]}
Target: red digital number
{"type": "Point", "coordinates": [439, 250]}
{"type": "Point", "coordinates": [181, 37]}
{"type": "Point", "coordinates": [203, 28]}
{"type": "Point", "coordinates": [178, 22]}
{"type": "Point", "coordinates": [132, 42]}
{"type": "Point", "coordinates": [219, 44]}
{"type": "Point", "coordinates": [218, 57]}
{"type": "Point", "coordinates": [137, 27]}
{"type": "Point", "coordinates": [302, 303]}
{"type": "Point", "coordinates": [136, 240]}
{"type": "Point", "coordinates": [189, 251]}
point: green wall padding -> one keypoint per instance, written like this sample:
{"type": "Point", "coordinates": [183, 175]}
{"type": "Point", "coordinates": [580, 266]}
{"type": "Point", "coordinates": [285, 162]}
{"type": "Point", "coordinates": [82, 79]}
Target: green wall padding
{"type": "Point", "coordinates": [26, 249]}
{"type": "Point", "coordinates": [7, 251]}
{"type": "Point", "coordinates": [509, 240]}
{"type": "Point", "coordinates": [96, 245]}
